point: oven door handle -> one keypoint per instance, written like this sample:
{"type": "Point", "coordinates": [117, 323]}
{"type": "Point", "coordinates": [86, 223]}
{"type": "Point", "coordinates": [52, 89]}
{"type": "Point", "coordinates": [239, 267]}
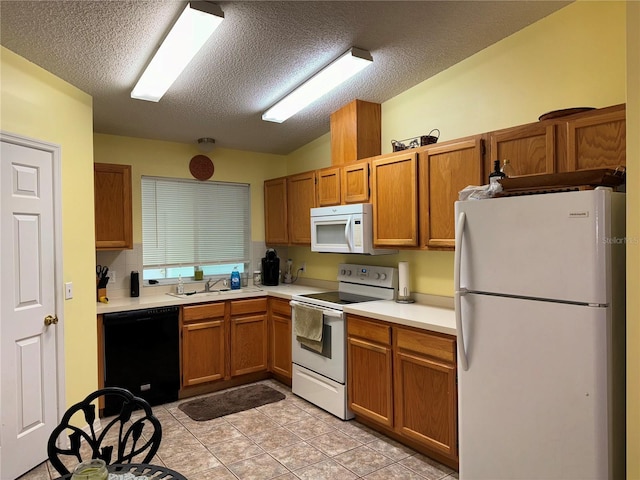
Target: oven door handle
{"type": "Point", "coordinates": [326, 312]}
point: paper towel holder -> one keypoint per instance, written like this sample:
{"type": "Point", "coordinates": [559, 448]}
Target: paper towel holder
{"type": "Point", "coordinates": [404, 292]}
{"type": "Point", "coordinates": [404, 298]}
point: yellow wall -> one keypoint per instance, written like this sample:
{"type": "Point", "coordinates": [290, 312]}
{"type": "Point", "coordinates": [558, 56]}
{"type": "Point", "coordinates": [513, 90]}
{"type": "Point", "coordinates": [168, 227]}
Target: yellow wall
{"type": "Point", "coordinates": [169, 159]}
{"type": "Point", "coordinates": [39, 105]}
{"type": "Point", "coordinates": [574, 57]}
{"type": "Point", "coordinates": [633, 246]}
{"type": "Point", "coordinates": [312, 156]}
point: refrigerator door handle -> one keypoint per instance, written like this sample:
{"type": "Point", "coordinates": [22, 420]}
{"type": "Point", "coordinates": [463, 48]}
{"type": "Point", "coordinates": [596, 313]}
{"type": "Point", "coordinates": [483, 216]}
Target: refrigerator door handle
{"type": "Point", "coordinates": [458, 251]}
{"type": "Point", "coordinates": [462, 351]}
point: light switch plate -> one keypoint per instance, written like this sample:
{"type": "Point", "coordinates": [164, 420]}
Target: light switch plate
{"type": "Point", "coordinates": [68, 290]}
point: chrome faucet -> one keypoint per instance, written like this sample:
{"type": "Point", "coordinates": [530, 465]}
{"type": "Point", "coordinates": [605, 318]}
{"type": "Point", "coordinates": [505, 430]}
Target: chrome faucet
{"type": "Point", "coordinates": [208, 285]}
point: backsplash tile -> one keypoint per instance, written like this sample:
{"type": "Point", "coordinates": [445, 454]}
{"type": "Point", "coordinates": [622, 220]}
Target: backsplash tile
{"type": "Point", "coordinates": [123, 262]}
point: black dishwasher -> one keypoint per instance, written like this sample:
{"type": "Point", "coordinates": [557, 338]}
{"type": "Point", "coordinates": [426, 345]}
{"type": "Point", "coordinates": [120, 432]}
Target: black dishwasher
{"type": "Point", "coordinates": [141, 354]}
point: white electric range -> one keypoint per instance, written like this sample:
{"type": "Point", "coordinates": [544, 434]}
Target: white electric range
{"type": "Point", "coordinates": [321, 377]}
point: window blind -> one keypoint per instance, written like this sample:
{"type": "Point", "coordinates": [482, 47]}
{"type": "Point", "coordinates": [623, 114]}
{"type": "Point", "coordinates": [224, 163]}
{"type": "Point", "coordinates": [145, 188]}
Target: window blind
{"type": "Point", "coordinates": [185, 222]}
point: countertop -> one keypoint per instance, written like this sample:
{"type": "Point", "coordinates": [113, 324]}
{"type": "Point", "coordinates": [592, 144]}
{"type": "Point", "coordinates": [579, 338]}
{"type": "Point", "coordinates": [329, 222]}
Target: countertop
{"type": "Point", "coordinates": [419, 315]}
{"type": "Point", "coordinates": [123, 304]}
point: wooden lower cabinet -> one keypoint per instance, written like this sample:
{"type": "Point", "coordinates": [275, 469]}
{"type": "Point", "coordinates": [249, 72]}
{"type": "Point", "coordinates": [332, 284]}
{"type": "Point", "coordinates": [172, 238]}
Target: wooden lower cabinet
{"type": "Point", "coordinates": [425, 401]}
{"type": "Point", "coordinates": [402, 381]}
{"type": "Point", "coordinates": [280, 338]}
{"type": "Point", "coordinates": [248, 328]}
{"type": "Point", "coordinates": [370, 387]}
{"type": "Point", "coordinates": [203, 343]}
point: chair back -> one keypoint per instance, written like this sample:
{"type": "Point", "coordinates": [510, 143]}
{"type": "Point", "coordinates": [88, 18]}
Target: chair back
{"type": "Point", "coordinates": [120, 440]}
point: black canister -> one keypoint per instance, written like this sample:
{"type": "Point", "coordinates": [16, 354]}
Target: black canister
{"type": "Point", "coordinates": [270, 268]}
{"type": "Point", "coordinates": [135, 284]}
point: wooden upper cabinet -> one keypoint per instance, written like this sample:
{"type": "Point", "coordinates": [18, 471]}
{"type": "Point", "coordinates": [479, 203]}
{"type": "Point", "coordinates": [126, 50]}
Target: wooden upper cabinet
{"type": "Point", "coordinates": [275, 211]}
{"type": "Point", "coordinates": [444, 170]}
{"type": "Point", "coordinates": [530, 148]}
{"type": "Point", "coordinates": [113, 219]}
{"type": "Point", "coordinates": [328, 186]}
{"type": "Point", "coordinates": [355, 182]}
{"type": "Point", "coordinates": [596, 139]}
{"type": "Point", "coordinates": [395, 200]}
{"type": "Point", "coordinates": [355, 132]}
{"type": "Point", "coordinates": [301, 197]}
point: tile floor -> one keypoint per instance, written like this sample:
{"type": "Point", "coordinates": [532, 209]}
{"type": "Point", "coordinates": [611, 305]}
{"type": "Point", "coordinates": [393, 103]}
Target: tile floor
{"type": "Point", "coordinates": [286, 440]}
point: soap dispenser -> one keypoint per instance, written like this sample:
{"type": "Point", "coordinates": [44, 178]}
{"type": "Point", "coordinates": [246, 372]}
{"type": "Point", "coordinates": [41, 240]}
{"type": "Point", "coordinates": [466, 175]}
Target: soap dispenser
{"type": "Point", "coordinates": [235, 279]}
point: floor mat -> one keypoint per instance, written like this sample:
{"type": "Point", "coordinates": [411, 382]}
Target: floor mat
{"type": "Point", "coordinates": [234, 401]}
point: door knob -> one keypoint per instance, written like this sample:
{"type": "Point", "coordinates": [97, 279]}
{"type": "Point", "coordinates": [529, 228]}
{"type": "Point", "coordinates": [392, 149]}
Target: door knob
{"type": "Point", "coordinates": [50, 319]}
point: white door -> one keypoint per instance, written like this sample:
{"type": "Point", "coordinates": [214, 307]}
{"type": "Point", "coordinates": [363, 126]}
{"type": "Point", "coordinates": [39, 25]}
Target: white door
{"type": "Point", "coordinates": [533, 402]}
{"type": "Point", "coordinates": [28, 347]}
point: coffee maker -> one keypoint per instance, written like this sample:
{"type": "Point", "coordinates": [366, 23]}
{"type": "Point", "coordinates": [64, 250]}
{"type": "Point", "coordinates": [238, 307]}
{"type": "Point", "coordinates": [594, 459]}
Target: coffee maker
{"type": "Point", "coordinates": [270, 268]}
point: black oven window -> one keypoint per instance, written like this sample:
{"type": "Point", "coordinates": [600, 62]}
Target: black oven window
{"type": "Point", "coordinates": [326, 342]}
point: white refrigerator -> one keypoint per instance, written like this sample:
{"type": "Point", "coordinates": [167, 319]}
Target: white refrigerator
{"type": "Point", "coordinates": [539, 293]}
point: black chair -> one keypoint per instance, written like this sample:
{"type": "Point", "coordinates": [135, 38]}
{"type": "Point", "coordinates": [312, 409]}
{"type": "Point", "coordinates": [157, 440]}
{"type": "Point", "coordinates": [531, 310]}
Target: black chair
{"type": "Point", "coordinates": [131, 433]}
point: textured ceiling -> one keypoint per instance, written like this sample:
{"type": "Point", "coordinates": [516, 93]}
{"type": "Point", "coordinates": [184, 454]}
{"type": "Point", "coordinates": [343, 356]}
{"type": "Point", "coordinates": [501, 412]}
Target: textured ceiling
{"type": "Point", "coordinates": [262, 51]}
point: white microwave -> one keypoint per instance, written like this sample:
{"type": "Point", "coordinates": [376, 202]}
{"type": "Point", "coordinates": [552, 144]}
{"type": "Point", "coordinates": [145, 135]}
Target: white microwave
{"type": "Point", "coordinates": [344, 229]}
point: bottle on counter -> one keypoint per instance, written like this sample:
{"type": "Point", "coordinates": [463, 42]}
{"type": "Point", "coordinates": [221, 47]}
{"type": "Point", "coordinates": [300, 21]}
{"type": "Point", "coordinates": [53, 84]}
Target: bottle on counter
{"type": "Point", "coordinates": [235, 279]}
{"type": "Point", "coordinates": [507, 169]}
{"type": "Point", "coordinates": [180, 288]}
{"type": "Point", "coordinates": [496, 174]}
{"type": "Point", "coordinates": [198, 274]}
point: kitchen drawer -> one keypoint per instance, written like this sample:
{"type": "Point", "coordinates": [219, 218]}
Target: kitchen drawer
{"type": "Point", "coordinates": [377, 332]}
{"type": "Point", "coordinates": [254, 305]}
{"type": "Point", "coordinates": [281, 307]}
{"type": "Point", "coordinates": [200, 312]}
{"type": "Point", "coordinates": [430, 344]}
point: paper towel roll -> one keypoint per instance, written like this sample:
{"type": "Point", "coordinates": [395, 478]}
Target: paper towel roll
{"type": "Point", "coordinates": [404, 289]}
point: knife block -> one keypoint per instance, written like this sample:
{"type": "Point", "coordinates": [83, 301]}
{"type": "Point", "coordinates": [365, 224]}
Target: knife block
{"type": "Point", "coordinates": [101, 293]}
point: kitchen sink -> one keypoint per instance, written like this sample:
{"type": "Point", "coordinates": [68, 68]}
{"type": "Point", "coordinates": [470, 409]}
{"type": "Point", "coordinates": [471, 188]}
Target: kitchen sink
{"type": "Point", "coordinates": [215, 293]}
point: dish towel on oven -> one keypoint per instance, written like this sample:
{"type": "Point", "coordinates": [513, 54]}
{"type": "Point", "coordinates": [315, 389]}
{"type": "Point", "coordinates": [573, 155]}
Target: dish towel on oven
{"type": "Point", "coordinates": [308, 327]}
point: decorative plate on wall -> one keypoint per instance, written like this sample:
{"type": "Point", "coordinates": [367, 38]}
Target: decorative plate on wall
{"type": "Point", "coordinates": [201, 167]}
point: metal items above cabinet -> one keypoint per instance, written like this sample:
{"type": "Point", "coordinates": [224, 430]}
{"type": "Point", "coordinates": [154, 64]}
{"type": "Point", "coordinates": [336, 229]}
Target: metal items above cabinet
{"type": "Point", "coordinates": [421, 141]}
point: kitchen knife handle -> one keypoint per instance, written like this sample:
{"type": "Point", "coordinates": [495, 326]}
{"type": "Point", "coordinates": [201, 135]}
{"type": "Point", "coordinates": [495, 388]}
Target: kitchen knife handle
{"type": "Point", "coordinates": [457, 258]}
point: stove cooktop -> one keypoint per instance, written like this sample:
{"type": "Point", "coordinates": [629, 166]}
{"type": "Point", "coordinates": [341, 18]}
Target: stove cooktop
{"type": "Point", "coordinates": [340, 298]}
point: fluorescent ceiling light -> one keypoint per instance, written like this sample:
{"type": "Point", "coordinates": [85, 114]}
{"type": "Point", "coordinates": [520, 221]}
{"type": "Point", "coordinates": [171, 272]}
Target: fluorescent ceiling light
{"type": "Point", "coordinates": [327, 79]}
{"type": "Point", "coordinates": [192, 29]}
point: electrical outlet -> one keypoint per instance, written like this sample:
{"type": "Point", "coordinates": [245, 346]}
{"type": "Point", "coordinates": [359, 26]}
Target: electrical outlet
{"type": "Point", "coordinates": [303, 268]}
{"type": "Point", "coordinates": [68, 290]}
{"type": "Point", "coordinates": [112, 276]}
